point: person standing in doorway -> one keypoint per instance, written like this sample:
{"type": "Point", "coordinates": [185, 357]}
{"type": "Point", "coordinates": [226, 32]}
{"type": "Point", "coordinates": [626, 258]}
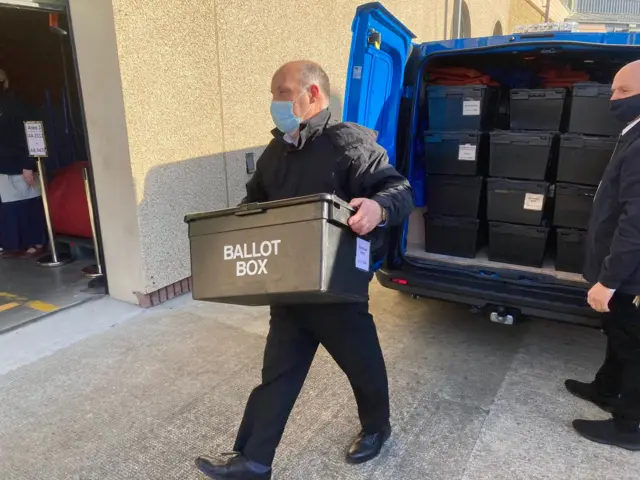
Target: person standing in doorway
{"type": "Point", "coordinates": [612, 264]}
{"type": "Point", "coordinates": [22, 220]}
{"type": "Point", "coordinates": [312, 154]}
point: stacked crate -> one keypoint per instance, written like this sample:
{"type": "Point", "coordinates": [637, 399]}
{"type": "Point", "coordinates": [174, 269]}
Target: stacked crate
{"type": "Point", "coordinates": [585, 152]}
{"type": "Point", "coordinates": [521, 164]}
{"type": "Point", "coordinates": [456, 154]}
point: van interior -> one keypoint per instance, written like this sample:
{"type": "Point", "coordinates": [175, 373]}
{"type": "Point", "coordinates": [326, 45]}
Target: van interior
{"type": "Point", "coordinates": [526, 81]}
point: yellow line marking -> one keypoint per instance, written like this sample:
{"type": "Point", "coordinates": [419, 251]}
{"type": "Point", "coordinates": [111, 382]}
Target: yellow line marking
{"type": "Point", "coordinates": [11, 296]}
{"type": "Point", "coordinates": [42, 306]}
{"type": "Point", "coordinates": [8, 306]}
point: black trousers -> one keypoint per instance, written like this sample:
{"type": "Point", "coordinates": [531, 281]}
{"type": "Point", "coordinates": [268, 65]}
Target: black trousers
{"type": "Point", "coordinates": [620, 373]}
{"type": "Point", "coordinates": [349, 335]}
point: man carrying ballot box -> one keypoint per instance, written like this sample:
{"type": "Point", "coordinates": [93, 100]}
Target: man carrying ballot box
{"type": "Point", "coordinates": [312, 154]}
{"type": "Point", "coordinates": [612, 264]}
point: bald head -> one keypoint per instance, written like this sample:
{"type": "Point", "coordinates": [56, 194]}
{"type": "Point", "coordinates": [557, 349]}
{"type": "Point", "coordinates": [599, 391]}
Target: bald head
{"type": "Point", "coordinates": [305, 83]}
{"type": "Point", "coordinates": [627, 82]}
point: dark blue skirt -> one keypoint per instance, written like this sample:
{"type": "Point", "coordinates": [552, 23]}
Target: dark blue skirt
{"type": "Point", "coordinates": [22, 224]}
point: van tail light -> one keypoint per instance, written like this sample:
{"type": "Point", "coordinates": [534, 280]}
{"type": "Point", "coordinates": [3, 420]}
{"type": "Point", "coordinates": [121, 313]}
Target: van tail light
{"type": "Point", "coordinates": [399, 281]}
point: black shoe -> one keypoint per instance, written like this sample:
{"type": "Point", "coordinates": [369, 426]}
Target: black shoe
{"type": "Point", "coordinates": [609, 432]}
{"type": "Point", "coordinates": [588, 392]}
{"type": "Point", "coordinates": [368, 446]}
{"type": "Point", "coordinates": [237, 468]}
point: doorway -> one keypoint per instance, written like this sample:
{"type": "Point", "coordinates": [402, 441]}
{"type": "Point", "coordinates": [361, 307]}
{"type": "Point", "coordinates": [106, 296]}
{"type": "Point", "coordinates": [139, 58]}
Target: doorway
{"type": "Point", "coordinates": [37, 58]}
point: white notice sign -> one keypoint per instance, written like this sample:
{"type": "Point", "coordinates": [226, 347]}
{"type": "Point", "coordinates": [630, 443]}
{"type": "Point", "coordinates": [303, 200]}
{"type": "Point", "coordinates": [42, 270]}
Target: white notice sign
{"type": "Point", "coordinates": [471, 108]}
{"type": "Point", "coordinates": [533, 201]}
{"type": "Point", "coordinates": [363, 254]}
{"type": "Point", "coordinates": [36, 143]}
{"type": "Point", "coordinates": [357, 72]}
{"type": "Point", "coordinates": [467, 152]}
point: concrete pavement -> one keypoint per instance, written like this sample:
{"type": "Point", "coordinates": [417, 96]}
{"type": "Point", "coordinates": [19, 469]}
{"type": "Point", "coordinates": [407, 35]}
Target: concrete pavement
{"type": "Point", "coordinates": [140, 395]}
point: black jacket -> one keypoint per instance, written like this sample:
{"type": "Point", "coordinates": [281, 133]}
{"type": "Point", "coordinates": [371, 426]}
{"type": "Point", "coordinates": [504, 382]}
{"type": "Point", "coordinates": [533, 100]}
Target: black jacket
{"type": "Point", "coordinates": [332, 157]}
{"type": "Point", "coordinates": [613, 241]}
{"type": "Point", "coordinates": [14, 155]}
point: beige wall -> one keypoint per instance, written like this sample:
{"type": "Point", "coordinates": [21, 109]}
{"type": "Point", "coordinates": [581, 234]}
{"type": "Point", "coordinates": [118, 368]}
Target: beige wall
{"type": "Point", "coordinates": [194, 100]}
{"type": "Point", "coordinates": [99, 70]}
{"type": "Point", "coordinates": [525, 12]}
{"type": "Point", "coordinates": [485, 14]}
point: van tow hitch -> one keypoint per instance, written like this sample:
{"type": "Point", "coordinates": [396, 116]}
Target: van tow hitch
{"type": "Point", "coordinates": [502, 316]}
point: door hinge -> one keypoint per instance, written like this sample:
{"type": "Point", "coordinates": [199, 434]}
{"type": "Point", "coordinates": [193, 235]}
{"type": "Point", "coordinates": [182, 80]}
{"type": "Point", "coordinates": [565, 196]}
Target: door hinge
{"type": "Point", "coordinates": [407, 91]}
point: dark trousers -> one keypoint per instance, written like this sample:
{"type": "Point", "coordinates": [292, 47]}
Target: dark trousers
{"type": "Point", "coordinates": [22, 224]}
{"type": "Point", "coordinates": [349, 335]}
{"type": "Point", "coordinates": [620, 374]}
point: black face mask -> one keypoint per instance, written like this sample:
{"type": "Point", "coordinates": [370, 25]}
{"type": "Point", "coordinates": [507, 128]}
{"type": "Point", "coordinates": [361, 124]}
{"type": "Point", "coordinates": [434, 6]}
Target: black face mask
{"type": "Point", "coordinates": [626, 109]}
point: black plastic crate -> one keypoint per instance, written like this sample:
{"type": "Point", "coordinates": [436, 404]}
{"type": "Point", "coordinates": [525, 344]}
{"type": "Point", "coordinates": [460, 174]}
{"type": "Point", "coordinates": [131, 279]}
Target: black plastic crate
{"type": "Point", "coordinates": [584, 159]}
{"type": "Point", "coordinates": [520, 155]}
{"type": "Point", "coordinates": [590, 113]}
{"type": "Point", "coordinates": [571, 245]}
{"type": "Point", "coordinates": [517, 244]}
{"type": "Point", "coordinates": [455, 236]}
{"type": "Point", "coordinates": [250, 255]}
{"type": "Point", "coordinates": [540, 109]}
{"type": "Point", "coordinates": [573, 205]}
{"type": "Point", "coordinates": [516, 201]}
{"type": "Point", "coordinates": [454, 195]}
{"type": "Point", "coordinates": [455, 153]}
{"type": "Point", "coordinates": [473, 107]}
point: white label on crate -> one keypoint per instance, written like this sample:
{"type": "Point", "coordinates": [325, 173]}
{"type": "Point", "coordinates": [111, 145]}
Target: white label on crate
{"type": "Point", "coordinates": [363, 254]}
{"type": "Point", "coordinates": [357, 72]}
{"type": "Point", "coordinates": [471, 108]}
{"type": "Point", "coordinates": [251, 258]}
{"type": "Point", "coordinates": [467, 152]}
{"type": "Point", "coordinates": [533, 201]}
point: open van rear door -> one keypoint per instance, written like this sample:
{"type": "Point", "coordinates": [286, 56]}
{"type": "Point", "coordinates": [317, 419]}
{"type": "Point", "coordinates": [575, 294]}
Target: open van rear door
{"type": "Point", "coordinates": [380, 47]}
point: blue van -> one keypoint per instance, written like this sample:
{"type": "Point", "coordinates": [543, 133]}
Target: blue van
{"type": "Point", "coordinates": [386, 92]}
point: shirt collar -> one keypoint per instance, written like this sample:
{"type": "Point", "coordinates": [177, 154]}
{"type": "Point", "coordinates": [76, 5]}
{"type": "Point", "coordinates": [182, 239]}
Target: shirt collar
{"type": "Point", "coordinates": [630, 126]}
{"type": "Point", "coordinates": [308, 130]}
{"type": "Point", "coordinates": [287, 137]}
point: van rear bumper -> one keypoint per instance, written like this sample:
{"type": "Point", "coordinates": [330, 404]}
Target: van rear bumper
{"type": "Point", "coordinates": [554, 302]}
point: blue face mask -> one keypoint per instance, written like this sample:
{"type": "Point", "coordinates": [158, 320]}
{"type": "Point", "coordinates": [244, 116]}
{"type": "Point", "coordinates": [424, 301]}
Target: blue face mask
{"type": "Point", "coordinates": [283, 117]}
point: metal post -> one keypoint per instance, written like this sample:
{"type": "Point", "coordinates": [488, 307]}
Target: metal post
{"type": "Point", "coordinates": [547, 12]}
{"type": "Point", "coordinates": [459, 26]}
{"type": "Point", "coordinates": [92, 271]}
{"type": "Point", "coordinates": [54, 259]}
{"type": "Point", "coordinates": [446, 20]}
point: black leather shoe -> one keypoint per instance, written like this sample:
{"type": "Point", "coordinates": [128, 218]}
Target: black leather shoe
{"type": "Point", "coordinates": [236, 468]}
{"type": "Point", "coordinates": [588, 392]}
{"type": "Point", "coordinates": [368, 446]}
{"type": "Point", "coordinates": [609, 432]}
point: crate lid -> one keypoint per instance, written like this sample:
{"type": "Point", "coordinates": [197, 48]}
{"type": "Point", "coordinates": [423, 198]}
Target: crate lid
{"type": "Point", "coordinates": [468, 91]}
{"type": "Point", "coordinates": [437, 137]}
{"type": "Point", "coordinates": [462, 180]}
{"type": "Point", "coordinates": [249, 208]}
{"type": "Point", "coordinates": [576, 140]}
{"type": "Point", "coordinates": [592, 89]}
{"type": "Point", "coordinates": [573, 189]}
{"type": "Point", "coordinates": [571, 234]}
{"type": "Point", "coordinates": [538, 93]}
{"type": "Point", "coordinates": [523, 136]}
{"type": "Point", "coordinates": [448, 221]}
{"type": "Point", "coordinates": [517, 185]}
{"type": "Point", "coordinates": [515, 229]}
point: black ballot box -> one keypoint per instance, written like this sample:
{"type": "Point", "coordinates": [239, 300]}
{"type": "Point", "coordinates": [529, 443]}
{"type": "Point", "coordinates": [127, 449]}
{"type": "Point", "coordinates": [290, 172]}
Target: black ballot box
{"type": "Point", "coordinates": [286, 252]}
